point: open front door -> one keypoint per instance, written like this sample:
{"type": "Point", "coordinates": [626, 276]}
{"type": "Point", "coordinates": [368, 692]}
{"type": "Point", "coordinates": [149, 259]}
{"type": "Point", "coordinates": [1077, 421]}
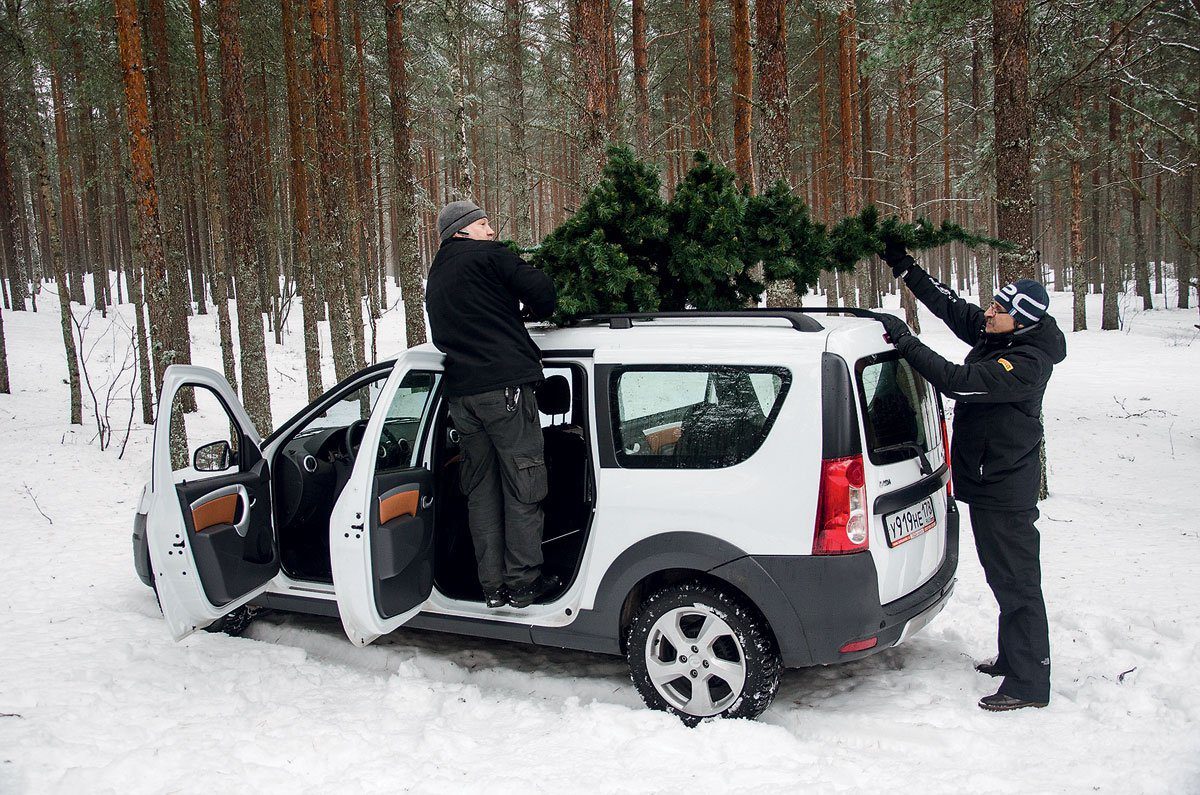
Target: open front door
{"type": "Point", "coordinates": [212, 545]}
{"type": "Point", "coordinates": [381, 530]}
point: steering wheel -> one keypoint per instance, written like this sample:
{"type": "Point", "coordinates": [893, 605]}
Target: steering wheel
{"type": "Point", "coordinates": [392, 450]}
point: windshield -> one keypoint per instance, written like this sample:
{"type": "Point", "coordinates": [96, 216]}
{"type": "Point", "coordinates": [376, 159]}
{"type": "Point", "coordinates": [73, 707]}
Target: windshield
{"type": "Point", "coordinates": [900, 412]}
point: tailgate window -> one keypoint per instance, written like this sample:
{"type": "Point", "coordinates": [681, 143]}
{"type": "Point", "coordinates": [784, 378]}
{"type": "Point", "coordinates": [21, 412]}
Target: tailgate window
{"type": "Point", "coordinates": [899, 408]}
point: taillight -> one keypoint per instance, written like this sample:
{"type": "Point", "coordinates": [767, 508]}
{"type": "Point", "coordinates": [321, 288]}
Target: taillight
{"type": "Point", "coordinates": [841, 507]}
{"type": "Point", "coordinates": [946, 453]}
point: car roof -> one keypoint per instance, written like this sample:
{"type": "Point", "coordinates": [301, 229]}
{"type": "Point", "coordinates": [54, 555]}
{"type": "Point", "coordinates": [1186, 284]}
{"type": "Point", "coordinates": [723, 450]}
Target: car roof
{"type": "Point", "coordinates": [688, 334]}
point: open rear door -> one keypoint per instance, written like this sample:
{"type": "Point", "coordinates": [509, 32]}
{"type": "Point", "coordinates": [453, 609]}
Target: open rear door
{"type": "Point", "coordinates": [212, 545]}
{"type": "Point", "coordinates": [381, 530]}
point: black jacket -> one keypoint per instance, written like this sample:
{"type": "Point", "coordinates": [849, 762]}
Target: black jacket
{"type": "Point", "coordinates": [473, 297]}
{"type": "Point", "coordinates": [998, 397]}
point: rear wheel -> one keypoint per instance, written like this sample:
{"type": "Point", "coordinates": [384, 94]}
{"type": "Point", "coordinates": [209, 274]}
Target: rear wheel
{"type": "Point", "coordinates": [698, 652]}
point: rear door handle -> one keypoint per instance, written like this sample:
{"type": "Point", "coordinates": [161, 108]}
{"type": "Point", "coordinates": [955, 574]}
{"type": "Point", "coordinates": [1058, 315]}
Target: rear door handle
{"type": "Point", "coordinates": [426, 502]}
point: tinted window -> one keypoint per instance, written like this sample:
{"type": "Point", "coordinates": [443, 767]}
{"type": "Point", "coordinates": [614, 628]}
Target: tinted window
{"type": "Point", "coordinates": [899, 409]}
{"type": "Point", "coordinates": [693, 417]}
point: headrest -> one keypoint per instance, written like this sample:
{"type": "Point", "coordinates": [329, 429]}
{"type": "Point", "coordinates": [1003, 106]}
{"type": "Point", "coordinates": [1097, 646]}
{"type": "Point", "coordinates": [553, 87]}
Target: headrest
{"type": "Point", "coordinates": [554, 395]}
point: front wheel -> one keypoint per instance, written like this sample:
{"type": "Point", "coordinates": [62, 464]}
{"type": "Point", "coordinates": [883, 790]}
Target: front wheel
{"type": "Point", "coordinates": [698, 652]}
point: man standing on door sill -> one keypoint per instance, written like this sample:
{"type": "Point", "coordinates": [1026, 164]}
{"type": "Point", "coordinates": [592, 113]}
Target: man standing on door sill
{"type": "Point", "coordinates": [474, 296]}
{"type": "Point", "coordinates": [996, 453]}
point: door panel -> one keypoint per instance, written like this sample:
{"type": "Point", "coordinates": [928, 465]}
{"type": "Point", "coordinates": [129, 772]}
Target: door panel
{"type": "Point", "coordinates": [211, 540]}
{"type": "Point", "coordinates": [402, 540]}
{"type": "Point", "coordinates": [228, 520]}
{"type": "Point", "coordinates": [381, 530]}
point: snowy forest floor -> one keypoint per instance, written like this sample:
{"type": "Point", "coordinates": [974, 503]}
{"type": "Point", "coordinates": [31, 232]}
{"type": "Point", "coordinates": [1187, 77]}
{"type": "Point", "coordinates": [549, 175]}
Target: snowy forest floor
{"type": "Point", "coordinates": [95, 697]}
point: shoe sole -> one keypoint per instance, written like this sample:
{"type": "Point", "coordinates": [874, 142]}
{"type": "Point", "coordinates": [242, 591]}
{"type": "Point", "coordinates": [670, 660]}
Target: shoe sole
{"type": "Point", "coordinates": [996, 708]}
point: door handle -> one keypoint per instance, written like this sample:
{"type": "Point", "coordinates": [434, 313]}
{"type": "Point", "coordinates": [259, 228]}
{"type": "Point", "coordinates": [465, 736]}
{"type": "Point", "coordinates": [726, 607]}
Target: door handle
{"type": "Point", "coordinates": [426, 501]}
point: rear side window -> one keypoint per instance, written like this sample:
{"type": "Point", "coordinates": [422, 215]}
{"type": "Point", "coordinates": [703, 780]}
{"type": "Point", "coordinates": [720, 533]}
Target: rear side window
{"type": "Point", "coordinates": [693, 417]}
{"type": "Point", "coordinates": [899, 408]}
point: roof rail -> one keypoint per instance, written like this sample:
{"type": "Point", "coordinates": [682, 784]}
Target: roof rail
{"type": "Point", "coordinates": [798, 316]}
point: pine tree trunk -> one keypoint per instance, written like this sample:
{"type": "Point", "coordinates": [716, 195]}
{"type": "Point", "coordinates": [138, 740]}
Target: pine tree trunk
{"type": "Point", "coordinates": [1013, 129]}
{"type": "Point", "coordinates": [1078, 272]}
{"type": "Point", "coordinates": [706, 75]}
{"type": "Point", "coordinates": [518, 156]}
{"type": "Point", "coordinates": [947, 199]}
{"type": "Point", "coordinates": [145, 194]}
{"type": "Point", "coordinates": [1141, 266]}
{"type": "Point", "coordinates": [301, 216]}
{"type": "Point", "coordinates": [58, 263]}
{"type": "Point", "coordinates": [10, 222]}
{"type": "Point", "coordinates": [984, 264]}
{"type": "Point", "coordinates": [333, 239]}
{"type": "Point", "coordinates": [743, 92]}
{"type": "Point", "coordinates": [408, 261]}
{"type": "Point", "coordinates": [849, 139]}
{"type": "Point", "coordinates": [1111, 266]}
{"type": "Point", "coordinates": [214, 201]}
{"type": "Point", "coordinates": [1186, 268]}
{"type": "Point", "coordinates": [641, 79]}
{"type": "Point", "coordinates": [907, 121]}
{"type": "Point", "coordinates": [589, 42]}
{"type": "Point", "coordinates": [256, 393]}
{"type": "Point", "coordinates": [774, 129]}
{"type": "Point", "coordinates": [166, 145]}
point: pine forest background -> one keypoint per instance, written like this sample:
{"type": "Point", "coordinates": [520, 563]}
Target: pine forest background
{"type": "Point", "coordinates": [250, 158]}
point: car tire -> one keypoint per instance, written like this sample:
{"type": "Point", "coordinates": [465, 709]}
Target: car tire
{"type": "Point", "coordinates": [233, 624]}
{"type": "Point", "coordinates": [736, 662]}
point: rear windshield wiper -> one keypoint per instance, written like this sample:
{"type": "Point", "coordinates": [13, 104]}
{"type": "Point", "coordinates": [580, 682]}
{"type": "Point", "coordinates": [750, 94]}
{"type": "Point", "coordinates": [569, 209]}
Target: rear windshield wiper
{"type": "Point", "coordinates": [926, 469]}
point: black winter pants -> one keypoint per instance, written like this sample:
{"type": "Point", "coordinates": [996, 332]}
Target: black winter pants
{"type": "Point", "coordinates": [503, 474]}
{"type": "Point", "coordinates": [1008, 546]}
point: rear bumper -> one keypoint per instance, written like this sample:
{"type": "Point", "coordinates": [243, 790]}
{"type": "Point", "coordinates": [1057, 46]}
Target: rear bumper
{"type": "Point", "coordinates": [819, 603]}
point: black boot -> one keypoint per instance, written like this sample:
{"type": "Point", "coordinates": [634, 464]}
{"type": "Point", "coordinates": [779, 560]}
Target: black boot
{"type": "Point", "coordinates": [496, 598]}
{"type": "Point", "coordinates": [998, 702]}
{"type": "Point", "coordinates": [535, 591]}
{"type": "Point", "coordinates": [990, 668]}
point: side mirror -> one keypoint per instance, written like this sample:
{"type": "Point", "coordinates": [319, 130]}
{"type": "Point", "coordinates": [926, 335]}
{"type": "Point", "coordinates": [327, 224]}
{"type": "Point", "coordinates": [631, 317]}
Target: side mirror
{"type": "Point", "coordinates": [213, 457]}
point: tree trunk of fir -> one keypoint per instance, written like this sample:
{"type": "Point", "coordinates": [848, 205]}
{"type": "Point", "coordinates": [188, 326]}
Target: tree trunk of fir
{"type": "Point", "coordinates": [408, 259]}
{"type": "Point", "coordinates": [868, 173]}
{"type": "Point", "coordinates": [215, 202]}
{"type": "Point", "coordinates": [145, 195]}
{"type": "Point", "coordinates": [641, 80]}
{"type": "Point", "coordinates": [298, 156]}
{"type": "Point", "coordinates": [1078, 272]}
{"type": "Point", "coordinates": [743, 92]}
{"type": "Point", "coordinates": [256, 392]}
{"type": "Point", "coordinates": [1013, 128]}
{"type": "Point", "coordinates": [332, 239]}
{"type": "Point", "coordinates": [948, 204]}
{"type": "Point", "coordinates": [1186, 269]}
{"type": "Point", "coordinates": [166, 141]}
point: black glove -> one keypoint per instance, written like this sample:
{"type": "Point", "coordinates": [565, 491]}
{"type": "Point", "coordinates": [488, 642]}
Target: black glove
{"type": "Point", "coordinates": [896, 328]}
{"type": "Point", "coordinates": [896, 256]}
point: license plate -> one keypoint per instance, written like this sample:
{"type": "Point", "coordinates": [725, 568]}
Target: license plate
{"type": "Point", "coordinates": [911, 522]}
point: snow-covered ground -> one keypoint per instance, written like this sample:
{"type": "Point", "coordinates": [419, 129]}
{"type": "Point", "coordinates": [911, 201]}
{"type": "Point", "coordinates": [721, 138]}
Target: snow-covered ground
{"type": "Point", "coordinates": [95, 697]}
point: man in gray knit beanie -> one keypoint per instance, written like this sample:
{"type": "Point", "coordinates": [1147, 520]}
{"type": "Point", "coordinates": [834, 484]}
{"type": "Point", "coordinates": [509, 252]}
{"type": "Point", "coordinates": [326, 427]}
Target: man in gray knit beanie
{"type": "Point", "coordinates": [462, 219]}
{"type": "Point", "coordinates": [477, 291]}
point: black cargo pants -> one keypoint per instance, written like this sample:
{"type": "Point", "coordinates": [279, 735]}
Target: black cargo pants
{"type": "Point", "coordinates": [1009, 548]}
{"type": "Point", "coordinates": [503, 474]}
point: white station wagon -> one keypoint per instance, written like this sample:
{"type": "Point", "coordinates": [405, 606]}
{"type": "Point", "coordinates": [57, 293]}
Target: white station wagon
{"type": "Point", "coordinates": [730, 493]}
